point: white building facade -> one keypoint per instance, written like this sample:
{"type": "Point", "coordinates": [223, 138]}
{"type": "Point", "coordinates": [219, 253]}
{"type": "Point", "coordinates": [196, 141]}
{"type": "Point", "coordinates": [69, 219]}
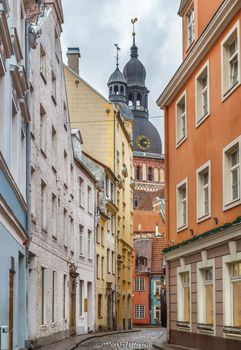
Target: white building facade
{"type": "Point", "coordinates": [61, 280]}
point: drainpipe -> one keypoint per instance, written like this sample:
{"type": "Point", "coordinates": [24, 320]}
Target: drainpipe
{"type": "Point", "coordinates": [116, 269]}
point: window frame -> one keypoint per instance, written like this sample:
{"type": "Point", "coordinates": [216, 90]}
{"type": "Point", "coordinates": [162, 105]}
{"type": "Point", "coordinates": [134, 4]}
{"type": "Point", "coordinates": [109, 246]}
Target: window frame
{"type": "Point", "coordinates": [180, 140]}
{"type": "Point", "coordinates": [180, 296]}
{"type": "Point", "coordinates": [191, 10]}
{"type": "Point", "coordinates": [228, 89]}
{"type": "Point", "coordinates": [200, 215]}
{"type": "Point", "coordinates": [228, 202]}
{"type": "Point", "coordinates": [200, 119]}
{"type": "Point", "coordinates": [137, 312]}
{"type": "Point", "coordinates": [178, 187]}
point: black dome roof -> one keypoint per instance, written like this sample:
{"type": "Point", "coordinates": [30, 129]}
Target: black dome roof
{"type": "Point", "coordinates": [116, 77]}
{"type": "Point", "coordinates": [144, 127]}
{"type": "Point", "coordinates": [134, 71]}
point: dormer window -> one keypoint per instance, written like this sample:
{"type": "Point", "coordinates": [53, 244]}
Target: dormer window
{"type": "Point", "coordinates": [190, 27]}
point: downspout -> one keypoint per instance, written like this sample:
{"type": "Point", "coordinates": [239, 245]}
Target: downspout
{"type": "Point", "coordinates": [28, 169]}
{"type": "Point", "coordinates": [166, 174]}
{"type": "Point", "coordinates": [116, 238]}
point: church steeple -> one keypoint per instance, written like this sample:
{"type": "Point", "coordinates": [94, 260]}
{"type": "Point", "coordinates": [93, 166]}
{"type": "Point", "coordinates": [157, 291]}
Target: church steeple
{"type": "Point", "coordinates": [117, 82]}
{"type": "Point", "coordinates": [135, 75]}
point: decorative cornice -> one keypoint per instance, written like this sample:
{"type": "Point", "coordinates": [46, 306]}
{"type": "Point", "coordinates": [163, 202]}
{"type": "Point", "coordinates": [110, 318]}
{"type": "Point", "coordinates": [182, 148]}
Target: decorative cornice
{"type": "Point", "coordinates": [216, 26]}
{"type": "Point", "coordinates": [197, 240]}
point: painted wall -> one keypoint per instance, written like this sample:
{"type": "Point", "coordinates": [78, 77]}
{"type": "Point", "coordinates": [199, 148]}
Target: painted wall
{"type": "Point", "coordinates": [142, 298]}
{"type": "Point", "coordinates": [155, 301]}
{"type": "Point", "coordinates": [13, 249]}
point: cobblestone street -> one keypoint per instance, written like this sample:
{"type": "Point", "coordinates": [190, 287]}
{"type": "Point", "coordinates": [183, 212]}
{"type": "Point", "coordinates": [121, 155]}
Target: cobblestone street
{"type": "Point", "coordinates": [134, 341]}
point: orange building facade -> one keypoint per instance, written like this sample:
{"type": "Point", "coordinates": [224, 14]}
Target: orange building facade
{"type": "Point", "coordinates": [202, 179]}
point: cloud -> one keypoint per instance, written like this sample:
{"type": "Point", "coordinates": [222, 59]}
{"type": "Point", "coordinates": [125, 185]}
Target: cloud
{"type": "Point", "coordinates": [95, 25]}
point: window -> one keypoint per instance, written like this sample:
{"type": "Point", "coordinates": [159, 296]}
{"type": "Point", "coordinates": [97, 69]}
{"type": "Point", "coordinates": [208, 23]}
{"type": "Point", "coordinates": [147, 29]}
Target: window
{"type": "Point", "coordinates": [235, 272]}
{"type": "Point", "coordinates": [139, 312]}
{"type": "Point", "coordinates": [208, 295]}
{"type": "Point", "coordinates": [66, 169]}
{"type": "Point", "coordinates": [181, 128]}
{"type": "Point", "coordinates": [64, 296]}
{"type": "Point", "coordinates": [130, 100]}
{"type": "Point", "coordinates": [136, 202]}
{"type": "Point", "coordinates": [157, 313]}
{"type": "Point", "coordinates": [80, 298]}
{"type": "Point", "coordinates": [54, 215]}
{"type": "Point", "coordinates": [54, 148]}
{"type": "Point", "coordinates": [43, 63]}
{"type": "Point", "coordinates": [54, 89]}
{"type": "Point", "coordinates": [185, 297]}
{"type": "Point", "coordinates": [81, 245]}
{"type": "Point", "coordinates": [113, 262]}
{"type": "Point", "coordinates": [89, 244]}
{"type": "Point", "coordinates": [43, 206]}
{"type": "Point", "coordinates": [190, 27]}
{"type": "Point", "coordinates": [150, 174]}
{"type": "Point", "coordinates": [89, 199]}
{"type": "Point", "coordinates": [99, 305]}
{"type": "Point", "coordinates": [65, 228]}
{"type": "Point", "coordinates": [54, 284]}
{"type": "Point", "coordinates": [139, 284]}
{"type": "Point", "coordinates": [107, 186]}
{"type": "Point", "coordinates": [81, 192]}
{"type": "Point", "coordinates": [157, 287]}
{"type": "Point", "coordinates": [138, 100]}
{"type": "Point", "coordinates": [230, 60]}
{"type": "Point", "coordinates": [112, 192]}
{"type": "Point", "coordinates": [202, 94]}
{"type": "Point", "coordinates": [71, 222]}
{"type": "Point", "coordinates": [43, 291]}
{"type": "Point", "coordinates": [182, 205]}
{"type": "Point", "coordinates": [108, 260]}
{"type": "Point", "coordinates": [203, 192]}
{"type": "Point", "coordinates": [231, 176]}
{"type": "Point", "coordinates": [102, 267]}
{"type": "Point", "coordinates": [138, 172]}
{"type": "Point", "coordinates": [97, 266]}
{"type": "Point", "coordinates": [102, 233]}
{"type": "Point", "coordinates": [43, 130]}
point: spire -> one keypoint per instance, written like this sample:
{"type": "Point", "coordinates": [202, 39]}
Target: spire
{"type": "Point", "coordinates": [117, 54]}
{"type": "Point", "coordinates": [134, 49]}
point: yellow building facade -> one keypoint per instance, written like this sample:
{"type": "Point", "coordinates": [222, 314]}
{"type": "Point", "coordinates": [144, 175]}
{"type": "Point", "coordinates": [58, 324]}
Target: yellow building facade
{"type": "Point", "coordinates": [107, 137]}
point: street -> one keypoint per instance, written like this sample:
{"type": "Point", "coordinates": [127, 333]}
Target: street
{"type": "Point", "coordinates": [135, 341]}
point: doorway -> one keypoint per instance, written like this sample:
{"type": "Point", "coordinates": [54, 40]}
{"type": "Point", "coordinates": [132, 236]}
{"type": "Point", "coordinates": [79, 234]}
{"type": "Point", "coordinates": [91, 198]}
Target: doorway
{"type": "Point", "coordinates": [11, 295]}
{"type": "Point", "coordinates": [72, 282]}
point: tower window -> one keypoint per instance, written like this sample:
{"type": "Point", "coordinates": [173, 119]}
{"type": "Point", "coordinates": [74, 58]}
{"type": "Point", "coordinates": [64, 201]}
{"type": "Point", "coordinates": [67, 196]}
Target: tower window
{"type": "Point", "coordinates": [150, 174]}
{"type": "Point", "coordinates": [130, 100]}
{"type": "Point", "coordinates": [110, 90]}
{"type": "Point", "coordinates": [138, 100]}
{"type": "Point", "coordinates": [122, 89]}
{"type": "Point", "coordinates": [116, 90]}
{"type": "Point", "coordinates": [138, 172]}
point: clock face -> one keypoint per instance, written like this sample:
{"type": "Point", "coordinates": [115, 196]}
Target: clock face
{"type": "Point", "coordinates": [143, 143]}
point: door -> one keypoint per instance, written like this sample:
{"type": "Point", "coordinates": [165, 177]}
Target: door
{"type": "Point", "coordinates": [72, 306]}
{"type": "Point", "coordinates": [109, 312]}
{"type": "Point", "coordinates": [11, 293]}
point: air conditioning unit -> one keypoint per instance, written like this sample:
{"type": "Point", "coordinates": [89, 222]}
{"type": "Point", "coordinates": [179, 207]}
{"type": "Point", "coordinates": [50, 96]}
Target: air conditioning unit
{"type": "Point", "coordinates": [3, 337]}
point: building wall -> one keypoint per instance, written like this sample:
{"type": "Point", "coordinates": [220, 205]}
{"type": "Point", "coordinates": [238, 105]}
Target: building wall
{"type": "Point", "coordinates": [215, 134]}
{"type": "Point", "coordinates": [155, 300]}
{"type": "Point", "coordinates": [13, 206]}
{"type": "Point", "coordinates": [141, 298]}
{"type": "Point", "coordinates": [56, 267]}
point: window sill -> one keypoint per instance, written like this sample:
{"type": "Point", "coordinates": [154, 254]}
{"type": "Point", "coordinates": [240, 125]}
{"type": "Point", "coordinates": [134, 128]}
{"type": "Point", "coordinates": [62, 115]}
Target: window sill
{"type": "Point", "coordinates": [183, 325]}
{"type": "Point", "coordinates": [90, 259]}
{"type": "Point", "coordinates": [100, 317]}
{"type": "Point", "coordinates": [43, 327]}
{"type": "Point", "coordinates": [202, 119]}
{"type": "Point", "coordinates": [81, 256]}
{"type": "Point", "coordinates": [180, 142]}
{"type": "Point", "coordinates": [230, 91]}
{"type": "Point", "coordinates": [203, 218]}
{"type": "Point", "coordinates": [182, 228]}
{"type": "Point", "coordinates": [205, 328]}
{"type": "Point", "coordinates": [231, 204]}
{"type": "Point", "coordinates": [232, 331]}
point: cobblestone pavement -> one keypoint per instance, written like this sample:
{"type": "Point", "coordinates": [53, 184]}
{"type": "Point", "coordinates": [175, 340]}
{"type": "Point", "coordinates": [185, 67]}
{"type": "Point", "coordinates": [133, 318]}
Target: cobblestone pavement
{"type": "Point", "coordinates": [131, 341]}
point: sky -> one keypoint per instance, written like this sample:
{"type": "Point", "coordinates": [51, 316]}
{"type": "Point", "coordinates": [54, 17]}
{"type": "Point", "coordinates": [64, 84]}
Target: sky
{"type": "Point", "coordinates": [96, 25]}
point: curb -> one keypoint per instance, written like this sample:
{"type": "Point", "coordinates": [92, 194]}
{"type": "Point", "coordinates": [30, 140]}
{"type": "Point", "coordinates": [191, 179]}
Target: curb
{"type": "Point", "coordinates": [170, 347]}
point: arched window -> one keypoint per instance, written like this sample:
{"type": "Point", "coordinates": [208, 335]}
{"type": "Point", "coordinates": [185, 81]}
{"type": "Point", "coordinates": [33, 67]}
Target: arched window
{"type": "Point", "coordinates": [130, 100]}
{"type": "Point", "coordinates": [138, 172]}
{"type": "Point", "coordinates": [138, 100]}
{"type": "Point", "coordinates": [116, 90]}
{"type": "Point", "coordinates": [136, 202]}
{"type": "Point", "coordinates": [122, 89]}
{"type": "Point", "coordinates": [150, 174]}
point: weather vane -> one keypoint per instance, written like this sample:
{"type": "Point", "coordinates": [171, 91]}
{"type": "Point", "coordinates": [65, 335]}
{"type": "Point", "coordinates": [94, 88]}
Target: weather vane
{"type": "Point", "coordinates": [117, 54]}
{"type": "Point", "coordinates": [133, 21]}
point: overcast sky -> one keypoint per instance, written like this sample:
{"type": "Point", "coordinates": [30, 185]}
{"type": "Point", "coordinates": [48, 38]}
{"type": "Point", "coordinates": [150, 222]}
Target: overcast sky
{"type": "Point", "coordinates": [96, 25]}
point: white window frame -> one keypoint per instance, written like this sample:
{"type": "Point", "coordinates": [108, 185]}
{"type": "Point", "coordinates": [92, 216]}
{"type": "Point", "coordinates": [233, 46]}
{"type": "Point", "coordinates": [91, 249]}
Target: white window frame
{"type": "Point", "coordinates": [227, 89]}
{"type": "Point", "coordinates": [201, 266]}
{"type": "Point", "coordinates": [81, 239]}
{"type": "Point", "coordinates": [137, 312]}
{"type": "Point", "coordinates": [233, 257]}
{"type": "Point", "coordinates": [137, 285]}
{"type": "Point", "coordinates": [155, 312]}
{"type": "Point", "coordinates": [192, 25]}
{"type": "Point", "coordinates": [179, 202]}
{"type": "Point", "coordinates": [179, 117]}
{"type": "Point", "coordinates": [155, 287]}
{"type": "Point", "coordinates": [201, 215]}
{"type": "Point", "coordinates": [200, 117]}
{"type": "Point", "coordinates": [227, 199]}
{"type": "Point", "coordinates": [180, 297]}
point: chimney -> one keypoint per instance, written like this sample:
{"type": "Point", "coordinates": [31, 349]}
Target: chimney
{"type": "Point", "coordinates": [73, 55]}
